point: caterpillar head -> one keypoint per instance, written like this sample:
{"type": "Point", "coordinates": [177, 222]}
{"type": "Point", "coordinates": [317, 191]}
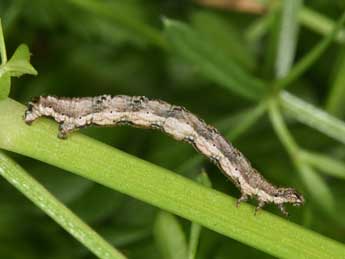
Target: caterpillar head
{"type": "Point", "coordinates": [288, 195]}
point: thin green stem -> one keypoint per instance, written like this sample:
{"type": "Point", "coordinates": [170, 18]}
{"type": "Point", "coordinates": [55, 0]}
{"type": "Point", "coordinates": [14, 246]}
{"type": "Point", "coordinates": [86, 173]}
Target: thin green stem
{"type": "Point", "coordinates": [325, 164]}
{"type": "Point", "coordinates": [320, 24]}
{"type": "Point", "coordinates": [195, 229]}
{"type": "Point", "coordinates": [309, 59]}
{"type": "Point", "coordinates": [43, 199]}
{"type": "Point", "coordinates": [335, 99]}
{"type": "Point", "coordinates": [314, 183]}
{"type": "Point", "coordinates": [312, 116]}
{"type": "Point", "coordinates": [288, 37]}
{"type": "Point", "coordinates": [259, 27]}
{"type": "Point", "coordinates": [282, 131]}
{"type": "Point", "coordinates": [169, 236]}
{"type": "Point", "coordinates": [2, 46]}
{"type": "Point", "coordinates": [157, 186]}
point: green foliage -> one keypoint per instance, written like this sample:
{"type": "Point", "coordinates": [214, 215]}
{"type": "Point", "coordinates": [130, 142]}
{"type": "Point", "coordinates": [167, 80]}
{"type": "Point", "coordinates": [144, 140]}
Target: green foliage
{"type": "Point", "coordinates": [231, 69]}
{"type": "Point", "coordinates": [52, 207]}
{"type": "Point", "coordinates": [211, 61]}
{"type": "Point", "coordinates": [161, 188]}
{"type": "Point", "coordinates": [18, 65]}
{"type": "Point", "coordinates": [169, 236]}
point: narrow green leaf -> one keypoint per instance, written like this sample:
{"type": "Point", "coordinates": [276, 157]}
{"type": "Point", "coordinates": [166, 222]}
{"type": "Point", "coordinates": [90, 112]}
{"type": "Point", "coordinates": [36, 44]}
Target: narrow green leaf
{"type": "Point", "coordinates": [259, 27]}
{"type": "Point", "coordinates": [194, 237]}
{"type": "Point", "coordinates": [309, 59]}
{"type": "Point", "coordinates": [309, 18]}
{"type": "Point", "coordinates": [211, 62]}
{"type": "Point", "coordinates": [336, 97]}
{"type": "Point", "coordinates": [3, 53]}
{"type": "Point", "coordinates": [5, 85]}
{"type": "Point", "coordinates": [324, 163]}
{"type": "Point", "coordinates": [19, 63]}
{"type": "Point", "coordinates": [282, 131]}
{"type": "Point", "coordinates": [108, 166]}
{"type": "Point", "coordinates": [34, 191]}
{"type": "Point", "coordinates": [169, 237]}
{"type": "Point", "coordinates": [195, 229]}
{"type": "Point", "coordinates": [288, 36]}
{"type": "Point", "coordinates": [313, 117]}
{"type": "Point", "coordinates": [222, 35]}
{"type": "Point", "coordinates": [320, 23]}
{"type": "Point", "coordinates": [319, 191]}
{"type": "Point", "coordinates": [315, 184]}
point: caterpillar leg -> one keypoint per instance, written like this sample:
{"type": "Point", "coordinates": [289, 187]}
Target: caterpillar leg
{"type": "Point", "coordinates": [259, 207]}
{"type": "Point", "coordinates": [243, 198]}
{"type": "Point", "coordinates": [64, 129]}
{"type": "Point", "coordinates": [283, 210]}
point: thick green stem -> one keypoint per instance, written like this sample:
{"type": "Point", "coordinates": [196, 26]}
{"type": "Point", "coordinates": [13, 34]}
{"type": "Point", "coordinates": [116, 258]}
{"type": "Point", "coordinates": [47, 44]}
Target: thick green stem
{"type": "Point", "coordinates": [157, 186]}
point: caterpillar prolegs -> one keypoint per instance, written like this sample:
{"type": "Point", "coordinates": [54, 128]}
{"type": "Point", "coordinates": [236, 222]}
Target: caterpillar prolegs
{"type": "Point", "coordinates": [176, 121]}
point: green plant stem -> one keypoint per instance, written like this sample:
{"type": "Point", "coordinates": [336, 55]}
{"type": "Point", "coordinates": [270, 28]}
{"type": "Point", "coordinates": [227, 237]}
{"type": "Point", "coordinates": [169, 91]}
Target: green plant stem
{"type": "Point", "coordinates": [312, 116]}
{"type": "Point", "coordinates": [43, 199]}
{"type": "Point", "coordinates": [320, 24]}
{"type": "Point", "coordinates": [288, 36]}
{"type": "Point", "coordinates": [259, 27]}
{"type": "Point", "coordinates": [316, 186]}
{"type": "Point", "coordinates": [309, 59]}
{"type": "Point", "coordinates": [307, 17]}
{"type": "Point", "coordinates": [334, 102]}
{"type": "Point", "coordinates": [169, 236]}
{"type": "Point", "coordinates": [325, 164]}
{"type": "Point", "coordinates": [157, 186]}
{"type": "Point", "coordinates": [195, 229]}
{"type": "Point", "coordinates": [2, 46]}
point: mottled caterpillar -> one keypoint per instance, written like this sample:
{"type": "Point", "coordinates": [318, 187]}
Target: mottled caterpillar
{"type": "Point", "coordinates": [176, 121]}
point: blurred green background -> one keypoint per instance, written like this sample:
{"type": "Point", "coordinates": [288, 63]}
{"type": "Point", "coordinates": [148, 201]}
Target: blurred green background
{"type": "Point", "coordinates": [87, 48]}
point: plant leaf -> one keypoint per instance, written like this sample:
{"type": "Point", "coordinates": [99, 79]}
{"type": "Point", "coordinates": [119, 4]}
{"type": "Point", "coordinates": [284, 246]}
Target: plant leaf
{"type": "Point", "coordinates": [309, 59]}
{"type": "Point", "coordinates": [324, 163]}
{"type": "Point", "coordinates": [317, 187]}
{"type": "Point", "coordinates": [320, 23]}
{"type": "Point", "coordinates": [19, 63]}
{"type": "Point", "coordinates": [313, 117]}
{"type": "Point", "coordinates": [336, 96]}
{"type": "Point", "coordinates": [223, 35]}
{"type": "Point", "coordinates": [196, 228]}
{"type": "Point", "coordinates": [197, 50]}
{"type": "Point", "coordinates": [288, 36]}
{"type": "Point", "coordinates": [169, 237]}
{"type": "Point", "coordinates": [43, 199]}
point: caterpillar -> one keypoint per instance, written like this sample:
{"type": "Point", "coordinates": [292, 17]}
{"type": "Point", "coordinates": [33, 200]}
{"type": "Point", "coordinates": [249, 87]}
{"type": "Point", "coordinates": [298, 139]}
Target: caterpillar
{"type": "Point", "coordinates": [176, 121]}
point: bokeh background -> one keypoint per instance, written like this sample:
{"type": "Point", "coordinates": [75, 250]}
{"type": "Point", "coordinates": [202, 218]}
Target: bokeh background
{"type": "Point", "coordinates": [82, 49]}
